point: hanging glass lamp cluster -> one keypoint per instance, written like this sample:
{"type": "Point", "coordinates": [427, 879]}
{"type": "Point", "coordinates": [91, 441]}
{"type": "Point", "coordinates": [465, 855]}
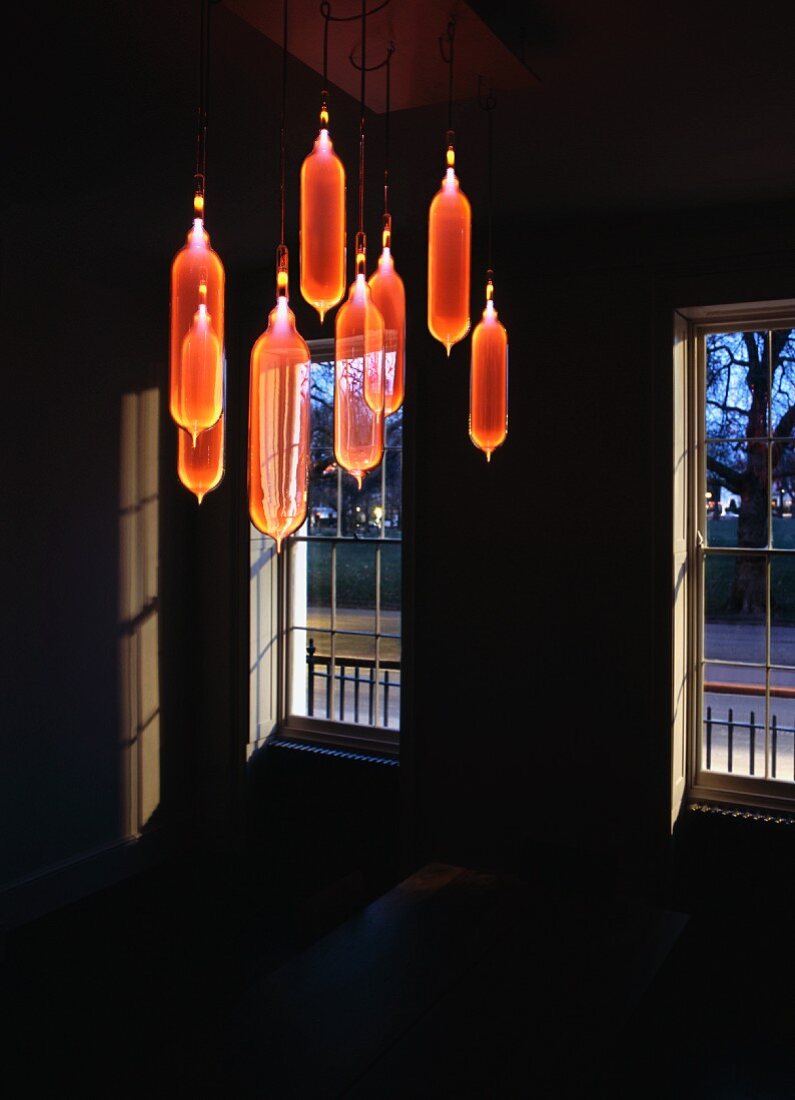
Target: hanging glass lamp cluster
{"type": "Point", "coordinates": [369, 328]}
{"type": "Point", "coordinates": [196, 361]}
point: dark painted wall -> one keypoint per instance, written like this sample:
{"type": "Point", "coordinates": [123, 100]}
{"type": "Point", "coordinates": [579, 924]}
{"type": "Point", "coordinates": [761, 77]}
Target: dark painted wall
{"type": "Point", "coordinates": [537, 587]}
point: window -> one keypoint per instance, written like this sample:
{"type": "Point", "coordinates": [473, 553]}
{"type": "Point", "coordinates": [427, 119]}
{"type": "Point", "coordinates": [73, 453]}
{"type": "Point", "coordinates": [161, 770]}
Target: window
{"type": "Point", "coordinates": [337, 588]}
{"type": "Point", "coordinates": [734, 555]}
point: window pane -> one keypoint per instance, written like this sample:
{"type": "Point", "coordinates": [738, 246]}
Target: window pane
{"type": "Point", "coordinates": [360, 516]}
{"type": "Point", "coordinates": [734, 720]}
{"type": "Point", "coordinates": [355, 689]}
{"type": "Point", "coordinates": [782, 723]}
{"type": "Point", "coordinates": [318, 557]}
{"type": "Point", "coordinates": [782, 600]}
{"type": "Point", "coordinates": [355, 587]}
{"type": "Point", "coordinates": [393, 519]}
{"type": "Point", "coordinates": [734, 607]}
{"type": "Point", "coordinates": [390, 596]}
{"type": "Point", "coordinates": [783, 393]}
{"type": "Point", "coordinates": [322, 510]}
{"type": "Point", "coordinates": [782, 519]}
{"type": "Point", "coordinates": [737, 385]}
{"type": "Point", "coordinates": [737, 496]}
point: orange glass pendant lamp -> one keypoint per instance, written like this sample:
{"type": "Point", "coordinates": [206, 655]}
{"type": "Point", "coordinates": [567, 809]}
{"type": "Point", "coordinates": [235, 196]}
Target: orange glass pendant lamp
{"type": "Point", "coordinates": [389, 296]}
{"type": "Point", "coordinates": [197, 327]}
{"type": "Point", "coordinates": [278, 422]}
{"type": "Point", "coordinates": [449, 244]}
{"type": "Point", "coordinates": [322, 228]}
{"type": "Point", "coordinates": [359, 380]}
{"type": "Point", "coordinates": [488, 380]}
{"type": "Point", "coordinates": [200, 465]}
{"type": "Point", "coordinates": [197, 298]}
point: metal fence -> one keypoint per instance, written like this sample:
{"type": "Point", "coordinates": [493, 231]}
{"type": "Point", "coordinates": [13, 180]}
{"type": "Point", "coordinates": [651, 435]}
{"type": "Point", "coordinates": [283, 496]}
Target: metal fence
{"type": "Point", "coordinates": [753, 728]}
{"type": "Point", "coordinates": [362, 691]}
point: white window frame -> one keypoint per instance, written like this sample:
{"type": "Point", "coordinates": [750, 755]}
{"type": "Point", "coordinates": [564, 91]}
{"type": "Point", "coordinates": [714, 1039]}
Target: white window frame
{"type": "Point", "coordinates": [690, 780]}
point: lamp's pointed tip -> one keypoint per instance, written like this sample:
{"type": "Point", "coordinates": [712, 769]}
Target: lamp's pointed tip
{"type": "Point", "coordinates": [448, 347]}
{"type": "Point", "coordinates": [488, 456]}
{"type": "Point", "coordinates": [200, 497]}
{"type": "Point", "coordinates": [322, 313]}
{"type": "Point", "coordinates": [278, 540]}
{"type": "Point", "coordinates": [358, 480]}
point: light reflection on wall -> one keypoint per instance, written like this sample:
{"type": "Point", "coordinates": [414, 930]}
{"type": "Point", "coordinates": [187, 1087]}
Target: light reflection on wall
{"type": "Point", "coordinates": [139, 686]}
{"type": "Point", "coordinates": [263, 632]}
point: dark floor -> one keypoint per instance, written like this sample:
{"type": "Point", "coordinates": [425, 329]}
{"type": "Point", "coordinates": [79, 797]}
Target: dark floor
{"type": "Point", "coordinates": [189, 981]}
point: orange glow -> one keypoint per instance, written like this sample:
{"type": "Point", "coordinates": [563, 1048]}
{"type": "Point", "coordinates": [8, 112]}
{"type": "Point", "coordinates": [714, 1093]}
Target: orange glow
{"type": "Point", "coordinates": [359, 382]}
{"type": "Point", "coordinates": [389, 296]}
{"type": "Point", "coordinates": [488, 384]}
{"type": "Point", "coordinates": [322, 230]}
{"type": "Point", "coordinates": [449, 234]}
{"type": "Point", "coordinates": [197, 334]}
{"type": "Point", "coordinates": [201, 465]}
{"type": "Point", "coordinates": [278, 427]}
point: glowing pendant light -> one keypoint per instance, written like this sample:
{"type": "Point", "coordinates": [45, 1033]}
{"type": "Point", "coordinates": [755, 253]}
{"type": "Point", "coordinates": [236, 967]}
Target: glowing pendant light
{"type": "Point", "coordinates": [359, 382]}
{"type": "Point", "coordinates": [449, 243]}
{"type": "Point", "coordinates": [359, 349]}
{"type": "Point", "coordinates": [322, 212]}
{"type": "Point", "coordinates": [389, 296]}
{"type": "Point", "coordinates": [278, 409]}
{"type": "Point", "coordinates": [388, 292]}
{"type": "Point", "coordinates": [488, 381]}
{"type": "Point", "coordinates": [200, 465]}
{"type": "Point", "coordinates": [197, 300]}
{"type": "Point", "coordinates": [278, 433]}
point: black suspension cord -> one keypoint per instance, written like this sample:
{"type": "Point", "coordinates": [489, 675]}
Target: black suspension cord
{"type": "Point", "coordinates": [451, 39]}
{"type": "Point", "coordinates": [448, 57]}
{"type": "Point", "coordinates": [386, 128]}
{"type": "Point", "coordinates": [488, 103]}
{"type": "Point", "coordinates": [201, 126]}
{"type": "Point", "coordinates": [282, 149]}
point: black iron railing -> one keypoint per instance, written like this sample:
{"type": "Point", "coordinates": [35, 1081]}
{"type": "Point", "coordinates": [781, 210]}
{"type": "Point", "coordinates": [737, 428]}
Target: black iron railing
{"type": "Point", "coordinates": [732, 726]}
{"type": "Point", "coordinates": [358, 687]}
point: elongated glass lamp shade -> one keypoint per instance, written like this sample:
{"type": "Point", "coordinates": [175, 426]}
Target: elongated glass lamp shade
{"type": "Point", "coordinates": [449, 237]}
{"type": "Point", "coordinates": [197, 334]}
{"type": "Point", "coordinates": [200, 465]}
{"type": "Point", "coordinates": [278, 427]}
{"type": "Point", "coordinates": [359, 382]}
{"type": "Point", "coordinates": [488, 382]}
{"type": "Point", "coordinates": [389, 295]}
{"type": "Point", "coordinates": [322, 227]}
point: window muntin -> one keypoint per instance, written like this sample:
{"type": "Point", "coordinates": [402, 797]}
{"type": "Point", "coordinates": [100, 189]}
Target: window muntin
{"type": "Point", "coordinates": [744, 547]}
{"type": "Point", "coordinates": [342, 586]}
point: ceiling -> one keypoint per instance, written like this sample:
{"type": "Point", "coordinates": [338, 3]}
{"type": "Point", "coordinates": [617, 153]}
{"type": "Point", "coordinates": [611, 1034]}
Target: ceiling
{"type": "Point", "coordinates": [418, 74]}
{"type": "Point", "coordinates": [630, 104]}
{"type": "Point", "coordinates": [601, 108]}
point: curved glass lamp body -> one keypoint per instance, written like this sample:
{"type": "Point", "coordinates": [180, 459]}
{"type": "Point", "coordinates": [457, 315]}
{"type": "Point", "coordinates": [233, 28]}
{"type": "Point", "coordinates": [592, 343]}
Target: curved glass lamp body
{"type": "Point", "coordinates": [359, 382]}
{"type": "Point", "coordinates": [278, 429]}
{"type": "Point", "coordinates": [389, 295]}
{"type": "Point", "coordinates": [201, 465]}
{"type": "Point", "coordinates": [322, 229]}
{"type": "Point", "coordinates": [449, 236]}
{"type": "Point", "coordinates": [197, 334]}
{"type": "Point", "coordinates": [488, 385]}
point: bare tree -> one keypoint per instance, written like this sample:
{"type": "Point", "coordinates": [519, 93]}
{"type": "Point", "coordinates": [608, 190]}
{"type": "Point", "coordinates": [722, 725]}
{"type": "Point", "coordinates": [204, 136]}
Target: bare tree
{"type": "Point", "coordinates": [750, 411]}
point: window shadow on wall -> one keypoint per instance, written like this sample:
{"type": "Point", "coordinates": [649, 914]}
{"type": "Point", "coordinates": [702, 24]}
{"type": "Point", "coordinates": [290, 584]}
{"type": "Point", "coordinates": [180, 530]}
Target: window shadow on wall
{"type": "Point", "coordinates": [139, 682]}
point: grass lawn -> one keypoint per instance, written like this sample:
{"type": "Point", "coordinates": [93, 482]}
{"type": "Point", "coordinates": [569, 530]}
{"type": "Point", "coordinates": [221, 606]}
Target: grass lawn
{"type": "Point", "coordinates": [356, 574]}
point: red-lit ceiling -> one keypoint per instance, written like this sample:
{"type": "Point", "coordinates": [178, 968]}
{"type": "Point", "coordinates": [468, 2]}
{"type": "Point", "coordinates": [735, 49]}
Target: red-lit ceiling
{"type": "Point", "coordinates": [418, 74]}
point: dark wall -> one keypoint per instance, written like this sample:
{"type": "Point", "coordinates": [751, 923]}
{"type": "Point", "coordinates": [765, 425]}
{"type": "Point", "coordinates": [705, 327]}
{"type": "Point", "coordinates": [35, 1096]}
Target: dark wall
{"type": "Point", "coordinates": [540, 638]}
